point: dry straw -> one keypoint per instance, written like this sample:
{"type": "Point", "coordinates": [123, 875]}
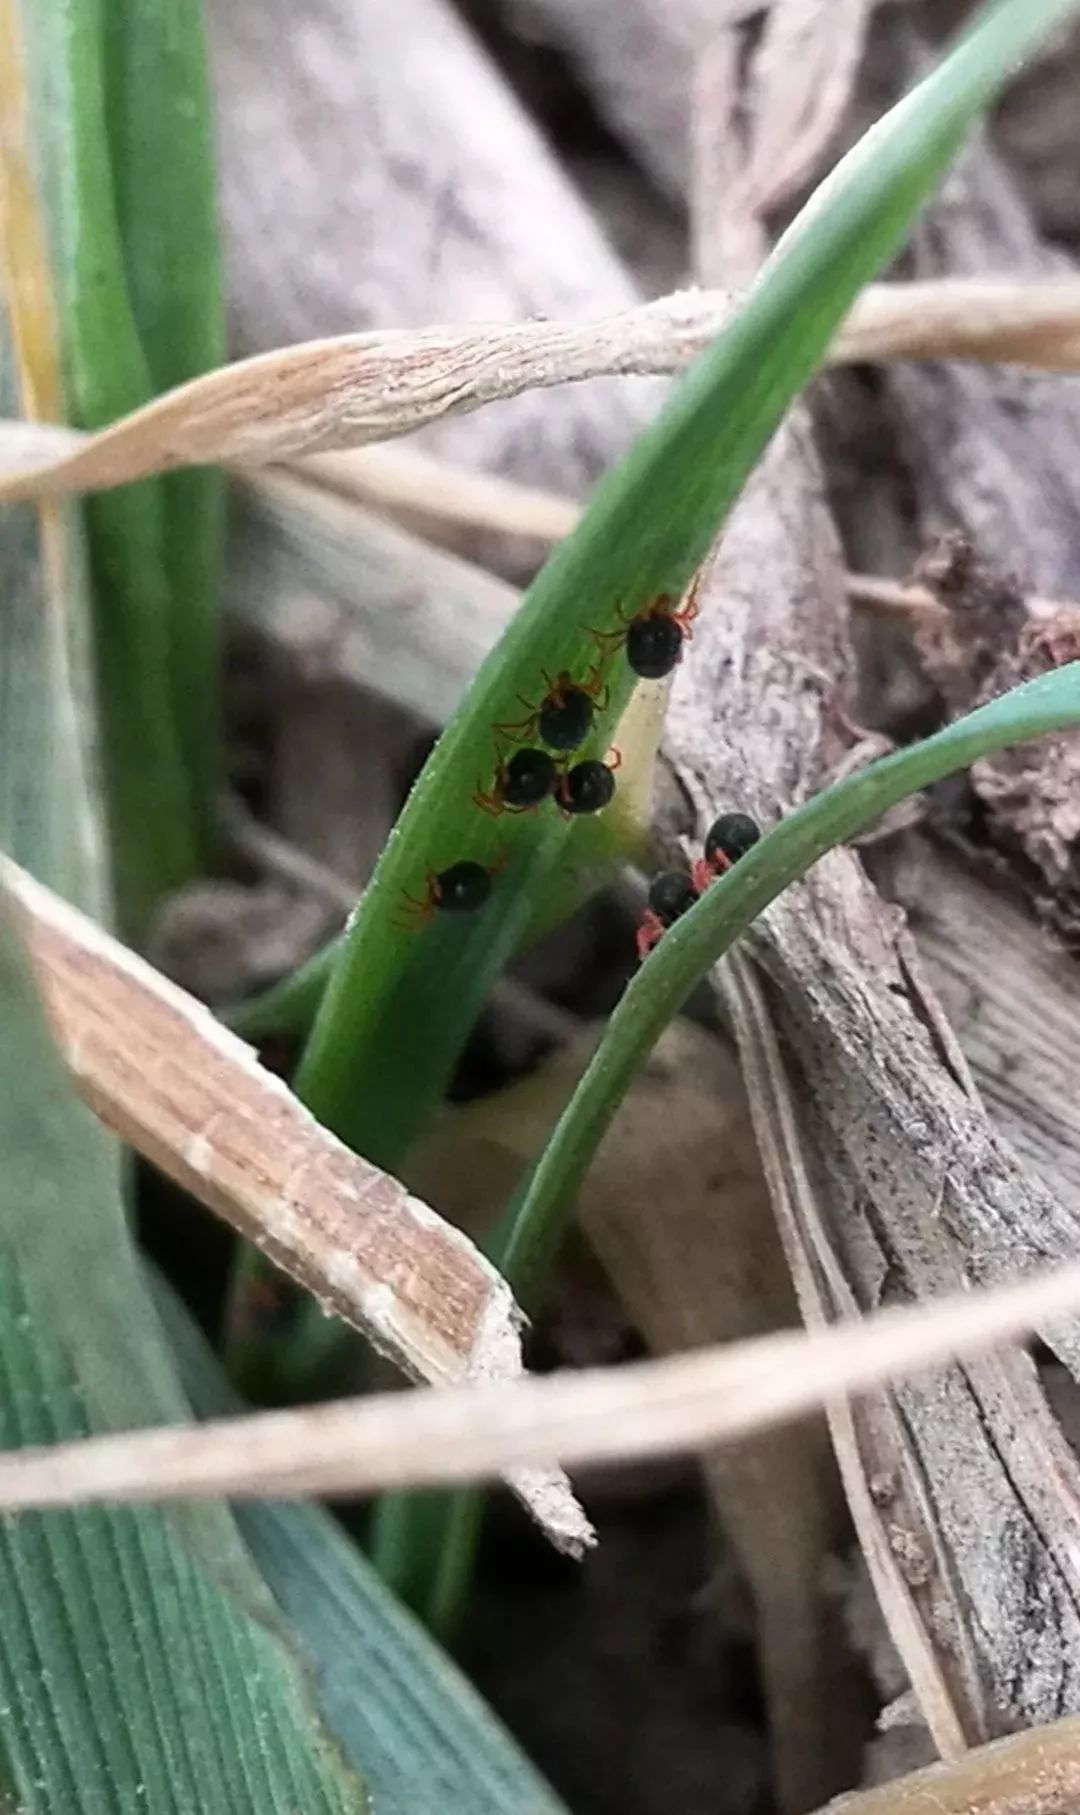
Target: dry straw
{"type": "Point", "coordinates": [160, 1071]}
{"type": "Point", "coordinates": [340, 393]}
{"type": "Point", "coordinates": [599, 1415]}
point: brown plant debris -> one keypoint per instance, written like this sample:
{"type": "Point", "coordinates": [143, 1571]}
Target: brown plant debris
{"type": "Point", "coordinates": [158, 1070]}
{"type": "Point", "coordinates": [603, 1415]}
{"type": "Point", "coordinates": [984, 644]}
{"type": "Point", "coordinates": [356, 388]}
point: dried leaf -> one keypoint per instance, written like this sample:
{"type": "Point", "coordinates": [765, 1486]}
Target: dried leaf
{"type": "Point", "coordinates": [368, 387]}
{"type": "Point", "coordinates": [163, 1074]}
{"type": "Point", "coordinates": [453, 1434]}
{"type": "Point", "coordinates": [342, 595]}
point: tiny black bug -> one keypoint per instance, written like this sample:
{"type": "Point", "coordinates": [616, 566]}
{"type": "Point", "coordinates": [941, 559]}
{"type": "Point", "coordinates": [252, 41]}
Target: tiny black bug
{"type": "Point", "coordinates": [564, 717]}
{"type": "Point", "coordinates": [671, 893]}
{"type": "Point", "coordinates": [461, 889]}
{"type": "Point", "coordinates": [728, 839]}
{"type": "Point", "coordinates": [654, 636]}
{"type": "Point", "coordinates": [589, 786]}
{"type": "Point", "coordinates": [523, 782]}
{"type": "Point", "coordinates": [654, 645]}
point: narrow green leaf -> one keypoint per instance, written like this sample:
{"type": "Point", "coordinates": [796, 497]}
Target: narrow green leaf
{"type": "Point", "coordinates": [142, 1665]}
{"type": "Point", "coordinates": [144, 1669]}
{"type": "Point", "coordinates": [59, 63]}
{"type": "Point", "coordinates": [430, 1561]}
{"type": "Point", "coordinates": [157, 115]}
{"type": "Point", "coordinates": [690, 949]}
{"type": "Point", "coordinates": [401, 1003]}
{"type": "Point", "coordinates": [398, 1707]}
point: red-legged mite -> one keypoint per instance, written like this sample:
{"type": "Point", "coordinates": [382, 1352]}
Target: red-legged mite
{"type": "Point", "coordinates": [671, 894]}
{"type": "Point", "coordinates": [564, 717]}
{"type": "Point", "coordinates": [520, 784]}
{"type": "Point", "coordinates": [461, 889]}
{"type": "Point", "coordinates": [728, 839]}
{"type": "Point", "coordinates": [588, 787]}
{"type": "Point", "coordinates": [654, 636]}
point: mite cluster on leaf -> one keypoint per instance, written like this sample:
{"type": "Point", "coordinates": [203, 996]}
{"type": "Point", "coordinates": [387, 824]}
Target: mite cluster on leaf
{"type": "Point", "coordinates": [561, 720]}
{"type": "Point", "coordinates": [526, 780]}
{"type": "Point", "coordinates": [672, 893]}
{"type": "Point", "coordinates": [522, 782]}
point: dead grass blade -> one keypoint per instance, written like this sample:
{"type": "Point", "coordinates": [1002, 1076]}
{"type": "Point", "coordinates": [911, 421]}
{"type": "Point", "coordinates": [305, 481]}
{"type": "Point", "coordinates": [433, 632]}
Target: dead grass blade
{"type": "Point", "coordinates": [429, 1438]}
{"type": "Point", "coordinates": [416, 629]}
{"type": "Point", "coordinates": [157, 1068]}
{"type": "Point", "coordinates": [357, 388]}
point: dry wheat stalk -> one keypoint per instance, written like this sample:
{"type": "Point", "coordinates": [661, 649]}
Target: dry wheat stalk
{"type": "Point", "coordinates": [429, 1437]}
{"type": "Point", "coordinates": [356, 388]}
{"type": "Point", "coordinates": [165, 1076]}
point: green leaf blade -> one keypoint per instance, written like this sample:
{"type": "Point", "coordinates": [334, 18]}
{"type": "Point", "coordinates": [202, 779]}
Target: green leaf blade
{"type": "Point", "coordinates": [690, 949]}
{"type": "Point", "coordinates": [398, 1008]}
{"type": "Point", "coordinates": [398, 1707]}
{"type": "Point", "coordinates": [152, 833]}
{"type": "Point", "coordinates": [143, 1664]}
{"type": "Point", "coordinates": [128, 177]}
{"type": "Point", "coordinates": [143, 1643]}
{"type": "Point", "coordinates": [160, 135]}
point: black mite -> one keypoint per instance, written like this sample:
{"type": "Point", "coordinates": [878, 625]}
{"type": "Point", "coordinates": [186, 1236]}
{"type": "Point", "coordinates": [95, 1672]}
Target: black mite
{"type": "Point", "coordinates": [563, 718]}
{"type": "Point", "coordinates": [654, 646]}
{"type": "Point", "coordinates": [671, 894]}
{"type": "Point", "coordinates": [520, 783]}
{"type": "Point", "coordinates": [461, 889]}
{"type": "Point", "coordinates": [728, 838]}
{"type": "Point", "coordinates": [589, 786]}
{"type": "Point", "coordinates": [654, 636]}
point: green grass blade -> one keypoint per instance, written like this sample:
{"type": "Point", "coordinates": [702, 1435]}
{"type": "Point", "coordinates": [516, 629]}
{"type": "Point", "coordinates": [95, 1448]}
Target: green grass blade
{"type": "Point", "coordinates": [144, 1669]}
{"type": "Point", "coordinates": [395, 1703]}
{"type": "Point", "coordinates": [150, 814]}
{"type": "Point", "coordinates": [142, 1664]}
{"type": "Point", "coordinates": [399, 1006]}
{"type": "Point", "coordinates": [161, 152]}
{"type": "Point", "coordinates": [432, 1566]}
{"type": "Point", "coordinates": [695, 944]}
{"type": "Point", "coordinates": [129, 179]}
{"type": "Point", "coordinates": [46, 727]}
